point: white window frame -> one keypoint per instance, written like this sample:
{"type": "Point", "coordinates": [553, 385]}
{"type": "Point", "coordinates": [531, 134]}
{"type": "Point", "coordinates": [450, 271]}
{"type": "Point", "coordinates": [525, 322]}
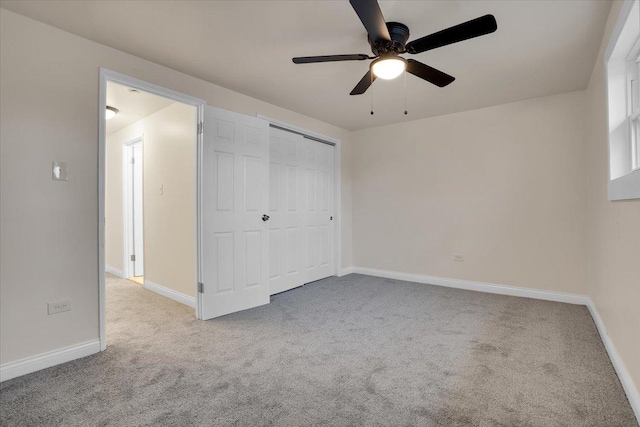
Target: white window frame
{"type": "Point", "coordinates": [622, 65]}
{"type": "Point", "coordinates": [633, 103]}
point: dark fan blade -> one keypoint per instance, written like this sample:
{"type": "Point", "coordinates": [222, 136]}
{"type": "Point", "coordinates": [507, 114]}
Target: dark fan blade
{"type": "Point", "coordinates": [369, 13]}
{"type": "Point", "coordinates": [467, 30]}
{"type": "Point", "coordinates": [429, 74]}
{"type": "Point", "coordinates": [363, 84]}
{"type": "Point", "coordinates": [329, 58]}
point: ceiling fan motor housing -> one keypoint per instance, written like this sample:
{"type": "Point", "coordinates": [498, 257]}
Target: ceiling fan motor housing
{"type": "Point", "coordinates": [399, 35]}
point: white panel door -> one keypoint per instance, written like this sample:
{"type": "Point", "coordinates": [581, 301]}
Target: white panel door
{"type": "Point", "coordinates": [138, 219]}
{"type": "Point", "coordinates": [301, 210]}
{"type": "Point", "coordinates": [317, 218]}
{"type": "Point", "coordinates": [234, 198]}
{"type": "Point", "coordinates": [324, 209]}
{"type": "Point", "coordinates": [285, 210]}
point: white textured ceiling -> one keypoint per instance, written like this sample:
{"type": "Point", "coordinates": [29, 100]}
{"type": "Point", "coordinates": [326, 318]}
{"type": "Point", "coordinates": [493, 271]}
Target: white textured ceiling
{"type": "Point", "coordinates": [540, 48]}
{"type": "Point", "coordinates": [133, 106]}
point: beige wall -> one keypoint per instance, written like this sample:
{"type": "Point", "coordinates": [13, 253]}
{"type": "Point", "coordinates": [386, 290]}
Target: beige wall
{"type": "Point", "coordinates": [169, 219]}
{"type": "Point", "coordinates": [613, 279]}
{"type": "Point", "coordinates": [503, 186]}
{"type": "Point", "coordinates": [49, 111]}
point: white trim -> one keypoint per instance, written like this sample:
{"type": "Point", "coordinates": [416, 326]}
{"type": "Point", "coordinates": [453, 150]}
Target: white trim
{"type": "Point", "coordinates": [199, 246]}
{"type": "Point", "coordinates": [477, 286]}
{"type": "Point", "coordinates": [617, 29]}
{"type": "Point", "coordinates": [337, 186]}
{"type": "Point", "coordinates": [134, 83]}
{"type": "Point", "coordinates": [625, 187]}
{"type": "Point", "coordinates": [337, 207]}
{"type": "Point", "coordinates": [345, 271]}
{"type": "Point", "coordinates": [625, 378]}
{"type": "Point", "coordinates": [115, 77]}
{"type": "Point", "coordinates": [115, 271]}
{"type": "Point", "coordinates": [48, 359]}
{"type": "Point", "coordinates": [102, 147]}
{"type": "Point", "coordinates": [170, 293]}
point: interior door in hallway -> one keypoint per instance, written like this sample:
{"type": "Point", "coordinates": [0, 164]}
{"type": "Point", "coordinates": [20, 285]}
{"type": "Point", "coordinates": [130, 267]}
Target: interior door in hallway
{"type": "Point", "coordinates": [301, 210]}
{"type": "Point", "coordinates": [133, 176]}
{"type": "Point", "coordinates": [234, 215]}
{"type": "Point", "coordinates": [138, 213]}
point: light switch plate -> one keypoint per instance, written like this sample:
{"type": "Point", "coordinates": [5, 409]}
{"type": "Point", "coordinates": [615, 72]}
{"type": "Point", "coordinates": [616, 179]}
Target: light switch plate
{"type": "Point", "coordinates": [59, 171]}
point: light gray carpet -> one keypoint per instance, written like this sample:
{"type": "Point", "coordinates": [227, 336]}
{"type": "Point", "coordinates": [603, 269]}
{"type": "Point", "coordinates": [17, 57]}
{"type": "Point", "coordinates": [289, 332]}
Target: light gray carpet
{"type": "Point", "coordinates": [357, 351]}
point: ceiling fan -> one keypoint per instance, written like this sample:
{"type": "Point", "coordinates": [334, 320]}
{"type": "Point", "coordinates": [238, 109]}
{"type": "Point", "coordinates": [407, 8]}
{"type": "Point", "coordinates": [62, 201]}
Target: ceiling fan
{"type": "Point", "coordinates": [389, 39]}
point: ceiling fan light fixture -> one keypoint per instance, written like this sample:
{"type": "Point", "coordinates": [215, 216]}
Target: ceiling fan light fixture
{"type": "Point", "coordinates": [110, 112]}
{"type": "Point", "coordinates": [388, 68]}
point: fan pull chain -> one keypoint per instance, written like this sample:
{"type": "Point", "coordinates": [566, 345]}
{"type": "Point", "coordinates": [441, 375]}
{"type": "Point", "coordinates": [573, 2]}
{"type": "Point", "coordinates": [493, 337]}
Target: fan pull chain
{"type": "Point", "coordinates": [405, 92]}
{"type": "Point", "coordinates": [371, 91]}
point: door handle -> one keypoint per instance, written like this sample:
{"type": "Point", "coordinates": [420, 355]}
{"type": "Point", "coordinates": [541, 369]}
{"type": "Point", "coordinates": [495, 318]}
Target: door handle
{"type": "Point", "coordinates": [265, 217]}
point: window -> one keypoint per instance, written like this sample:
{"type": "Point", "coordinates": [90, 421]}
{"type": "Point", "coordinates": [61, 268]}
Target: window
{"type": "Point", "coordinates": [633, 104]}
{"type": "Point", "coordinates": [623, 89]}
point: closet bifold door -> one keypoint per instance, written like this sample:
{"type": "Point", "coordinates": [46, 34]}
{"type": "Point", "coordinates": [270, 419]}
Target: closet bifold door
{"type": "Point", "coordinates": [285, 203]}
{"type": "Point", "coordinates": [301, 209]}
{"type": "Point", "coordinates": [322, 214]}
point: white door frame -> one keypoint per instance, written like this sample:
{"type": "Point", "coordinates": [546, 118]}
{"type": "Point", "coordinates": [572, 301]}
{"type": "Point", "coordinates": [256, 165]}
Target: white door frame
{"type": "Point", "coordinates": [115, 77]}
{"type": "Point", "coordinates": [337, 192]}
{"type": "Point", "coordinates": [127, 219]}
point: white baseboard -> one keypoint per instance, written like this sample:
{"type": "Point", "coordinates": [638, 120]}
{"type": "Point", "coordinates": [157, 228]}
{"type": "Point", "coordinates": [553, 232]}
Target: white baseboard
{"type": "Point", "coordinates": [170, 293]}
{"type": "Point", "coordinates": [345, 271]}
{"type": "Point", "coordinates": [627, 383]}
{"type": "Point", "coordinates": [48, 359]}
{"type": "Point", "coordinates": [115, 271]}
{"type": "Point", "coordinates": [476, 286]}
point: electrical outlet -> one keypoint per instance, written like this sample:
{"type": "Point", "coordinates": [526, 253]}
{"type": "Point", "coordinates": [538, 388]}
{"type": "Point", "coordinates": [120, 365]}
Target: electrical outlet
{"type": "Point", "coordinates": [457, 257]}
{"type": "Point", "coordinates": [59, 306]}
{"type": "Point", "coordinates": [161, 189]}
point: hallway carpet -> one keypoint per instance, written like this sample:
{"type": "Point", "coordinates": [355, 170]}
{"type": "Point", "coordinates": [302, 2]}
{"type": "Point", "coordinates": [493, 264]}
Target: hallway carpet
{"type": "Point", "coordinates": [350, 351]}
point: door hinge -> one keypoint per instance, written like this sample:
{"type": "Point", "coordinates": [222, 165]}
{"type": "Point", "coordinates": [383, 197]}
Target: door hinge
{"type": "Point", "coordinates": [133, 257]}
{"type": "Point", "coordinates": [133, 160]}
{"type": "Point", "coordinates": [200, 128]}
{"type": "Point", "coordinates": [200, 287]}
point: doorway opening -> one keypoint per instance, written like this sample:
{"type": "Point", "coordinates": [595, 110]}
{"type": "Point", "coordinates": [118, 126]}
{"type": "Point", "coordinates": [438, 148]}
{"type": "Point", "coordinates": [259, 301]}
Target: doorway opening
{"type": "Point", "coordinates": [149, 142]}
